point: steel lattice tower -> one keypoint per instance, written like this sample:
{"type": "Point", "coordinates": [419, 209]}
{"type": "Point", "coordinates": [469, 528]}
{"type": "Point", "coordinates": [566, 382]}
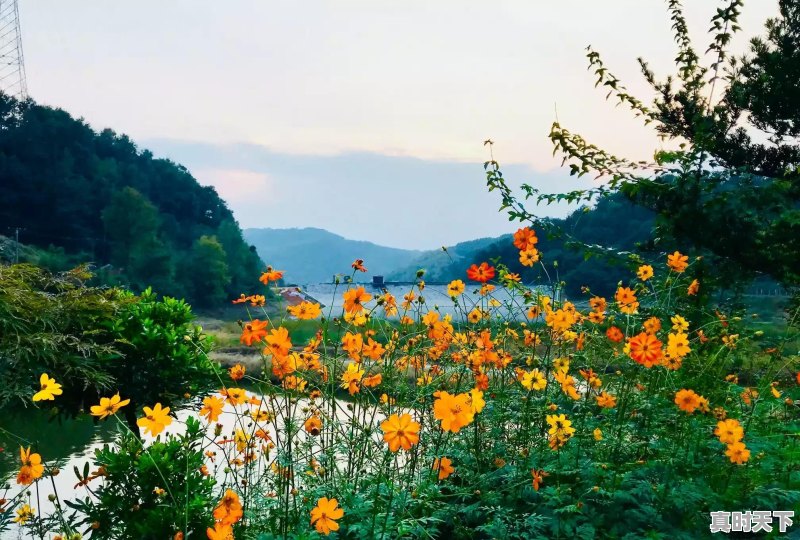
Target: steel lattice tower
{"type": "Point", "coordinates": [12, 64]}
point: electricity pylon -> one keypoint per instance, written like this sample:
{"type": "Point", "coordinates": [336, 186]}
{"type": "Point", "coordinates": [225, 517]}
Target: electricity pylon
{"type": "Point", "coordinates": [12, 64]}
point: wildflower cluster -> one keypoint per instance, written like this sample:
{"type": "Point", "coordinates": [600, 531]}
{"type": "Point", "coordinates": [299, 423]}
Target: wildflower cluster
{"type": "Point", "coordinates": [395, 408]}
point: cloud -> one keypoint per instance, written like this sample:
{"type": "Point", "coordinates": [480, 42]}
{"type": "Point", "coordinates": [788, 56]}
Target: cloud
{"type": "Point", "coordinates": [238, 186]}
{"type": "Point", "coordinates": [391, 200]}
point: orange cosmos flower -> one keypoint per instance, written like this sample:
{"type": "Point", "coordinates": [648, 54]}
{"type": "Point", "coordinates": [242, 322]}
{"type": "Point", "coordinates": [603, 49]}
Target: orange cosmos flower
{"type": "Point", "coordinates": [626, 299]}
{"type": "Point", "coordinates": [538, 478]}
{"type": "Point", "coordinates": [234, 396]}
{"type": "Point", "coordinates": [372, 381]}
{"type": "Point", "coordinates": [237, 372]}
{"type": "Point", "coordinates": [525, 238]}
{"type": "Point", "coordinates": [529, 257]}
{"type": "Point", "coordinates": [354, 300]}
{"type": "Point", "coordinates": [454, 411]}
{"type": "Point", "coordinates": [254, 299]}
{"type": "Point", "coordinates": [482, 273]}
{"type": "Point", "coordinates": [694, 288]}
{"type": "Point", "coordinates": [358, 264]}
{"type": "Point", "coordinates": [31, 466]}
{"type": "Point", "coordinates": [678, 262]}
{"type": "Point", "coordinates": [372, 349]}
{"type": "Point", "coordinates": [313, 425]}
{"type": "Point", "coordinates": [614, 334]}
{"type": "Point", "coordinates": [597, 303]}
{"type": "Point", "coordinates": [729, 431]}
{"type": "Point", "coordinates": [687, 400]}
{"type": "Point", "coordinates": [278, 342]}
{"type": "Point", "coordinates": [325, 514]}
{"type": "Point", "coordinates": [748, 395]}
{"type": "Point", "coordinates": [444, 466]}
{"type": "Point", "coordinates": [352, 345]}
{"type": "Point", "coordinates": [597, 317]}
{"type": "Point", "coordinates": [606, 400]}
{"type": "Point", "coordinates": [652, 325]}
{"type": "Point", "coordinates": [229, 510]}
{"type": "Point", "coordinates": [270, 275]}
{"type": "Point", "coordinates": [400, 432]}
{"type": "Point", "coordinates": [305, 310]}
{"type": "Point", "coordinates": [212, 408]}
{"type": "Point", "coordinates": [738, 453]}
{"type": "Point", "coordinates": [389, 304]}
{"type": "Point", "coordinates": [645, 349]}
{"type": "Point", "coordinates": [255, 330]}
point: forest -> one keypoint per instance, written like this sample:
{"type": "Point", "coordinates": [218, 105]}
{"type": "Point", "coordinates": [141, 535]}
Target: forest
{"type": "Point", "coordinates": [97, 198]}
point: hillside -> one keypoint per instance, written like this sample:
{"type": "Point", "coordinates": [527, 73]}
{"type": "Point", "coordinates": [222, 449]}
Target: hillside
{"type": "Point", "coordinates": [312, 255]}
{"type": "Point", "coordinates": [613, 222]}
{"type": "Point", "coordinates": [96, 197]}
{"type": "Point", "coordinates": [444, 265]}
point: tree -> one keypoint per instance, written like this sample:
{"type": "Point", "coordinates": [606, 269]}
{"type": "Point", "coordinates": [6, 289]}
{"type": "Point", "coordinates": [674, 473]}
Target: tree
{"type": "Point", "coordinates": [54, 324]}
{"type": "Point", "coordinates": [162, 355]}
{"type": "Point", "coordinates": [207, 273]}
{"type": "Point", "coordinates": [132, 227]}
{"type": "Point", "coordinates": [96, 342]}
{"type": "Point", "coordinates": [721, 191]}
{"type": "Point", "coordinates": [242, 260]}
{"type": "Point", "coordinates": [65, 185]}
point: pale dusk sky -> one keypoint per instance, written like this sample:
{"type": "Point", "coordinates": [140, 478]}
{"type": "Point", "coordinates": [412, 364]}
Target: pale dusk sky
{"type": "Point", "coordinates": [326, 102]}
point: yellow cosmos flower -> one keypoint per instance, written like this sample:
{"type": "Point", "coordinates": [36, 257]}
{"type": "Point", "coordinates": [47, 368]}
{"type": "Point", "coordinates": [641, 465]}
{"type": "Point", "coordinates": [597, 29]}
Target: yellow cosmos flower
{"type": "Point", "coordinates": [455, 288]}
{"type": "Point", "coordinates": [49, 389]}
{"type": "Point", "coordinates": [109, 406]}
{"type": "Point", "coordinates": [155, 419]}
{"type": "Point", "coordinates": [645, 272]}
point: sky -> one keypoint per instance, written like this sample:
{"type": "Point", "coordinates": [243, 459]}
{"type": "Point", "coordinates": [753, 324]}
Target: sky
{"type": "Point", "coordinates": [363, 117]}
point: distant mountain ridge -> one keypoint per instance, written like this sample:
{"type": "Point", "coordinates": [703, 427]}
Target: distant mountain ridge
{"type": "Point", "coordinates": [439, 263]}
{"type": "Point", "coordinates": [315, 255]}
{"type": "Point", "coordinates": [311, 255]}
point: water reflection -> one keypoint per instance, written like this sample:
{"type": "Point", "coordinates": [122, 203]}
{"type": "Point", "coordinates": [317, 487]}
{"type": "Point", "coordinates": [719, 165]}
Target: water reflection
{"type": "Point", "coordinates": [436, 297]}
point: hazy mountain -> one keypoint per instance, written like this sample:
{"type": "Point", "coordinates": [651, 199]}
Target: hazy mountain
{"type": "Point", "coordinates": [312, 255]}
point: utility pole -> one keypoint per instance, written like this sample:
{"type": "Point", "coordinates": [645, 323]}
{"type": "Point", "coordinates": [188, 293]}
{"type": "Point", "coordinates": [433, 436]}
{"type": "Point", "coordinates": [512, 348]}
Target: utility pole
{"type": "Point", "coordinates": [16, 245]}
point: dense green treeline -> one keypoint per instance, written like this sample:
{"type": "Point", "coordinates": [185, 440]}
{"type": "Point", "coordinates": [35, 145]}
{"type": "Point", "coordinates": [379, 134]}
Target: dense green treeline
{"type": "Point", "coordinates": [614, 223]}
{"type": "Point", "coordinates": [99, 198]}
